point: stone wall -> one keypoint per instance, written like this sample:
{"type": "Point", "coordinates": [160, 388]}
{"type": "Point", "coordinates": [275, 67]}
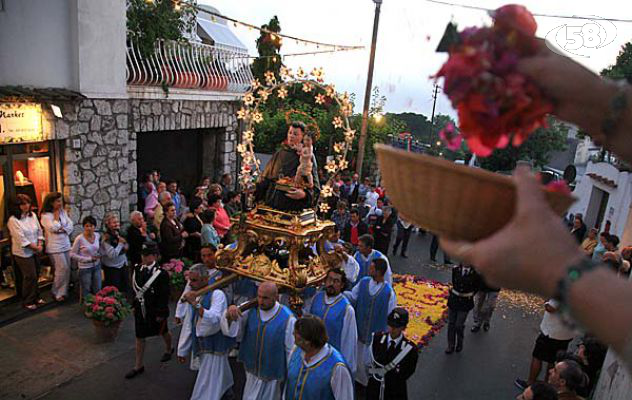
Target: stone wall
{"type": "Point", "coordinates": [101, 175]}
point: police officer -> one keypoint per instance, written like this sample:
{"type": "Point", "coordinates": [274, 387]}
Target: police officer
{"type": "Point", "coordinates": [465, 283]}
{"type": "Point", "coordinates": [392, 361]}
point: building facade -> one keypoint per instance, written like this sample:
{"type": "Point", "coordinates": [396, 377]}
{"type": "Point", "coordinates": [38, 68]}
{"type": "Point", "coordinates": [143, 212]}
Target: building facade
{"type": "Point", "coordinates": [85, 112]}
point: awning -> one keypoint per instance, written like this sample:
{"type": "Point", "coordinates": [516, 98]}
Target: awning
{"type": "Point", "coordinates": [219, 34]}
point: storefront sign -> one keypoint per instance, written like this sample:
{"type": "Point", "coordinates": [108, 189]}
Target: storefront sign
{"type": "Point", "coordinates": [21, 122]}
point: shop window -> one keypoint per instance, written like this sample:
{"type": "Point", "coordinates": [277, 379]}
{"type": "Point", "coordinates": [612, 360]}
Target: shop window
{"type": "Point", "coordinates": [32, 177]}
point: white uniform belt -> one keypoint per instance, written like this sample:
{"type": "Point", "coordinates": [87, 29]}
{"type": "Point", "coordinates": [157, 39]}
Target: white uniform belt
{"type": "Point", "coordinates": [457, 293]}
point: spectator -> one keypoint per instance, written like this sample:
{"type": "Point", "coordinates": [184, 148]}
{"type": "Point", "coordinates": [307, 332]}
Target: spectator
{"type": "Point", "coordinates": [226, 181]}
{"type": "Point", "coordinates": [114, 254]}
{"type": "Point", "coordinates": [589, 244]}
{"type": "Point", "coordinates": [538, 391]}
{"type": "Point", "coordinates": [27, 242]}
{"type": "Point", "coordinates": [579, 228]}
{"type": "Point", "coordinates": [137, 234]}
{"type": "Point", "coordinates": [404, 228]}
{"type": "Point", "coordinates": [554, 337]}
{"type": "Point", "coordinates": [164, 197]}
{"type": "Point", "coordinates": [353, 191]}
{"type": "Point", "coordinates": [176, 198]}
{"type": "Point", "coordinates": [215, 189]}
{"type": "Point", "coordinates": [374, 214]}
{"type": "Point", "coordinates": [341, 215]}
{"type": "Point", "coordinates": [208, 233]}
{"type": "Point", "coordinates": [172, 234]}
{"type": "Point", "coordinates": [383, 230]}
{"type": "Point", "coordinates": [201, 193]}
{"type": "Point", "coordinates": [568, 378]}
{"type": "Point", "coordinates": [86, 251]}
{"type": "Point", "coordinates": [354, 228]}
{"type": "Point", "coordinates": [151, 201]}
{"type": "Point", "coordinates": [143, 191]}
{"type": "Point", "coordinates": [57, 229]}
{"type": "Point", "coordinates": [371, 196]}
{"type": "Point", "coordinates": [193, 226]}
{"type": "Point", "coordinates": [222, 220]}
{"type": "Point", "coordinates": [600, 249]}
{"type": "Point", "coordinates": [232, 203]}
{"type": "Point", "coordinates": [363, 189]}
{"type": "Point", "coordinates": [592, 353]}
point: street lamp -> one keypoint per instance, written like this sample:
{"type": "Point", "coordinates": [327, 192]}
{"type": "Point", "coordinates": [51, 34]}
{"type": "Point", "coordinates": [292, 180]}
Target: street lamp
{"type": "Point", "coordinates": [367, 93]}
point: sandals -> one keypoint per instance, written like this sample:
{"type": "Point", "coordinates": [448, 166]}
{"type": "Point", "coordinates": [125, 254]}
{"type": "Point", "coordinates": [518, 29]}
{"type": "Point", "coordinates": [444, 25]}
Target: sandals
{"type": "Point", "coordinates": [167, 356]}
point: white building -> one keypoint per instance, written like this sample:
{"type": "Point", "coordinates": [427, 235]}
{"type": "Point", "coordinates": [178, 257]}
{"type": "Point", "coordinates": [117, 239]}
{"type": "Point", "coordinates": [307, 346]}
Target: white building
{"type": "Point", "coordinates": [84, 112]}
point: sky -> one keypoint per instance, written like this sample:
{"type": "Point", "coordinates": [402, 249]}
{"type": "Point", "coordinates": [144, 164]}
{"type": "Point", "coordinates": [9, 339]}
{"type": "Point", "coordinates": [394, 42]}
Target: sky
{"type": "Point", "coordinates": [409, 31]}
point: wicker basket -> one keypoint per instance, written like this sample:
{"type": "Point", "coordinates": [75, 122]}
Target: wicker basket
{"type": "Point", "coordinates": [451, 200]}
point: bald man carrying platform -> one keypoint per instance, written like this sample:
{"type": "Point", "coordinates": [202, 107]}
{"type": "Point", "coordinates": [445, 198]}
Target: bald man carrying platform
{"type": "Point", "coordinates": [266, 334]}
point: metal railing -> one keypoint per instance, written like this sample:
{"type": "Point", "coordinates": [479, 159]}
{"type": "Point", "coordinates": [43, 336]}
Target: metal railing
{"type": "Point", "coordinates": [188, 66]}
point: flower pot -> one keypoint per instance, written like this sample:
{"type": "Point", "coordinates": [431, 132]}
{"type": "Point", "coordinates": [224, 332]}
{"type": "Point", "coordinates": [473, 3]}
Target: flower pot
{"type": "Point", "coordinates": [106, 333]}
{"type": "Point", "coordinates": [452, 200]}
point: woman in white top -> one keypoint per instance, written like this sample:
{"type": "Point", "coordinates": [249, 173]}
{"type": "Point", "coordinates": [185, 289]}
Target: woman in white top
{"type": "Point", "coordinates": [86, 251]}
{"type": "Point", "coordinates": [57, 229]}
{"type": "Point", "coordinates": [26, 242]}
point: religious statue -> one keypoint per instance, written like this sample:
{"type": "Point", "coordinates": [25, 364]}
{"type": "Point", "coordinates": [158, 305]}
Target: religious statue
{"type": "Point", "coordinates": [277, 187]}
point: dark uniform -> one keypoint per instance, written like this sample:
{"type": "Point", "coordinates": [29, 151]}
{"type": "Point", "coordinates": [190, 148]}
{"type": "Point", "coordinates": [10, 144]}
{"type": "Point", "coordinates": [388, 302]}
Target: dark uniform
{"type": "Point", "coordinates": [384, 350]}
{"type": "Point", "coordinates": [156, 299]}
{"type": "Point", "coordinates": [465, 283]}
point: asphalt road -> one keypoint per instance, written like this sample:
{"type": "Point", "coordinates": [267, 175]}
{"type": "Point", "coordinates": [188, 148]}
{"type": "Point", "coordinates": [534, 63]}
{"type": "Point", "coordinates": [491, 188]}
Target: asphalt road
{"type": "Point", "coordinates": [40, 366]}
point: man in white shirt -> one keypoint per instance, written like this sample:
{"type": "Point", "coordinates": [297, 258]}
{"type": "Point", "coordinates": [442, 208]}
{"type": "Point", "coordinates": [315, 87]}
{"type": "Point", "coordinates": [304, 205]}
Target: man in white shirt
{"type": "Point", "coordinates": [338, 315]}
{"type": "Point", "coordinates": [371, 197]}
{"type": "Point", "coordinates": [554, 337]}
{"type": "Point", "coordinates": [201, 337]}
{"type": "Point", "coordinates": [373, 300]}
{"type": "Point", "coordinates": [266, 336]}
{"type": "Point", "coordinates": [316, 370]}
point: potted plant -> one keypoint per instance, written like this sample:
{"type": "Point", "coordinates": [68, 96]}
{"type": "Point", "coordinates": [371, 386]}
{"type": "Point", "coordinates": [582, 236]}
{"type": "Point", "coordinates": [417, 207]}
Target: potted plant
{"type": "Point", "coordinates": [177, 270]}
{"type": "Point", "coordinates": [107, 309]}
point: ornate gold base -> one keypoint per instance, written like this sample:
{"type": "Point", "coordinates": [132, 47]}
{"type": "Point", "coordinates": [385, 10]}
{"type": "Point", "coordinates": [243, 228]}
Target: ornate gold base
{"type": "Point", "coordinates": [278, 247]}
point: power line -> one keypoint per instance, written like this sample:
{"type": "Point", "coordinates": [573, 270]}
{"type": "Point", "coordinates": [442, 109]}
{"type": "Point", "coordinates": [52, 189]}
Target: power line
{"type": "Point", "coordinates": [477, 8]}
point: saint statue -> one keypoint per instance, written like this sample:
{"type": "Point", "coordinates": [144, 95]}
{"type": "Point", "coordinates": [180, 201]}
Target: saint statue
{"type": "Point", "coordinates": [276, 186]}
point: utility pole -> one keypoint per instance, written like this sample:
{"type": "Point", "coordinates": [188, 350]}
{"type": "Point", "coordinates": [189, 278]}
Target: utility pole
{"type": "Point", "coordinates": [434, 104]}
{"type": "Point", "coordinates": [367, 93]}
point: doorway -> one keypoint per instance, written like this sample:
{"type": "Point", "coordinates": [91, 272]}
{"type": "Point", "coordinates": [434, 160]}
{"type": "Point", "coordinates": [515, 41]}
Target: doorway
{"type": "Point", "coordinates": [183, 155]}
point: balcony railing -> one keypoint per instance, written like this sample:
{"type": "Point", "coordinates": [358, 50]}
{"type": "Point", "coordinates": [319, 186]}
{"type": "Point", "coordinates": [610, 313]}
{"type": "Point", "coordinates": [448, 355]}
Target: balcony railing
{"type": "Point", "coordinates": [188, 66]}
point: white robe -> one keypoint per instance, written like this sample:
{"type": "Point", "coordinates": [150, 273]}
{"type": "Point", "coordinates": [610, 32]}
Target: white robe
{"type": "Point", "coordinates": [214, 374]}
{"type": "Point", "coordinates": [349, 334]}
{"type": "Point", "coordinates": [256, 388]}
{"type": "Point", "coordinates": [362, 354]}
{"type": "Point", "coordinates": [182, 306]}
{"type": "Point", "coordinates": [341, 380]}
{"type": "Point", "coordinates": [351, 268]}
{"type": "Point", "coordinates": [388, 276]}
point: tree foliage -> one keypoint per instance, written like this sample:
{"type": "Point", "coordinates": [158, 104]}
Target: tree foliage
{"type": "Point", "coordinates": [160, 19]}
{"type": "Point", "coordinates": [622, 69]}
{"type": "Point", "coordinates": [269, 48]}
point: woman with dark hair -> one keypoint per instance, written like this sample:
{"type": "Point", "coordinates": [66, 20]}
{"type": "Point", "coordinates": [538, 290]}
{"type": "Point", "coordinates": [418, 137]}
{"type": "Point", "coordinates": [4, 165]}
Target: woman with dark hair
{"type": "Point", "coordinates": [193, 226]}
{"type": "Point", "coordinates": [172, 234]}
{"type": "Point", "coordinates": [57, 229]}
{"type": "Point", "coordinates": [27, 241]}
{"type": "Point", "coordinates": [86, 250]}
{"type": "Point", "coordinates": [222, 220]}
{"type": "Point", "coordinates": [209, 234]}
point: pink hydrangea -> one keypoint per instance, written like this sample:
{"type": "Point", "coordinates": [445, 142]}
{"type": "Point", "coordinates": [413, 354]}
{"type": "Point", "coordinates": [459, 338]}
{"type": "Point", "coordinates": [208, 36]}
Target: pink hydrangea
{"type": "Point", "coordinates": [109, 315]}
{"type": "Point", "coordinates": [109, 310]}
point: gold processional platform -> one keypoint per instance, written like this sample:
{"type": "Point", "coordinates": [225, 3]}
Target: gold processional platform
{"type": "Point", "coordinates": [278, 246]}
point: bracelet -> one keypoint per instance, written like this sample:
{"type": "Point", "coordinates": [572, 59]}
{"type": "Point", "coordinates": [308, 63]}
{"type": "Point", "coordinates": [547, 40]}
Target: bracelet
{"type": "Point", "coordinates": [573, 274]}
{"type": "Point", "coordinates": [618, 104]}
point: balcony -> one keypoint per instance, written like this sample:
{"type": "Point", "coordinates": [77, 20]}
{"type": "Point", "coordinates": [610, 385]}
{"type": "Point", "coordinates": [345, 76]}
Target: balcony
{"type": "Point", "coordinates": [187, 70]}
